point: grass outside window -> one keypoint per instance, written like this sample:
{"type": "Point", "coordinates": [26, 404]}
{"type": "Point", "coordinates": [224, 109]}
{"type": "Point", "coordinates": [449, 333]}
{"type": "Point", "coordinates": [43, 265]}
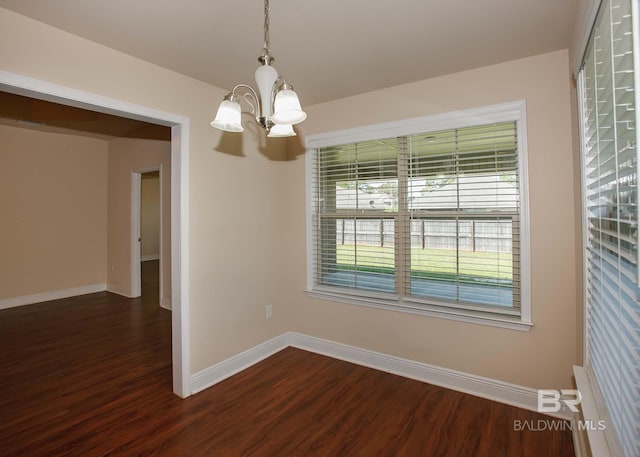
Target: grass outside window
{"type": "Point", "coordinates": [429, 263]}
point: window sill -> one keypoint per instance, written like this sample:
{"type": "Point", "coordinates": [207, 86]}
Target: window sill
{"type": "Point", "coordinates": [378, 302]}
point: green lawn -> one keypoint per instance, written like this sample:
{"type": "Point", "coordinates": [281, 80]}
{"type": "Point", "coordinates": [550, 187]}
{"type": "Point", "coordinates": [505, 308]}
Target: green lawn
{"type": "Point", "coordinates": [433, 263]}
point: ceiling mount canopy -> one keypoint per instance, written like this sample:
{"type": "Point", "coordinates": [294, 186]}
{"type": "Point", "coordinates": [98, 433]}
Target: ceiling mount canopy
{"type": "Point", "coordinates": [277, 107]}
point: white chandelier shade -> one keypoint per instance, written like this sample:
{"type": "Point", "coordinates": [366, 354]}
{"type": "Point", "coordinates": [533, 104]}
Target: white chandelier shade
{"type": "Point", "coordinates": [228, 117]}
{"type": "Point", "coordinates": [281, 130]}
{"type": "Point", "coordinates": [287, 108]}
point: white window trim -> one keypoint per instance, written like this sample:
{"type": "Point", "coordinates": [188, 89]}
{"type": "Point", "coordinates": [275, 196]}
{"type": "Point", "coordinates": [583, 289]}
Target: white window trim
{"type": "Point", "coordinates": [505, 112]}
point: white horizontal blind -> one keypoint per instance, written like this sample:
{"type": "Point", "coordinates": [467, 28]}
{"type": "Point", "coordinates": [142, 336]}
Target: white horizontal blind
{"type": "Point", "coordinates": [611, 218]}
{"type": "Point", "coordinates": [356, 187]}
{"type": "Point", "coordinates": [430, 218]}
{"type": "Point", "coordinates": [463, 200]}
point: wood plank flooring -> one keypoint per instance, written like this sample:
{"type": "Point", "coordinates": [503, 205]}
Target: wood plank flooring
{"type": "Point", "coordinates": [91, 376]}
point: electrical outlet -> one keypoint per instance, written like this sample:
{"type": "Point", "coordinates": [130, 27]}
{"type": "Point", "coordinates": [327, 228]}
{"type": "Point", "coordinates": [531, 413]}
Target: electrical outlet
{"type": "Point", "coordinates": [269, 311]}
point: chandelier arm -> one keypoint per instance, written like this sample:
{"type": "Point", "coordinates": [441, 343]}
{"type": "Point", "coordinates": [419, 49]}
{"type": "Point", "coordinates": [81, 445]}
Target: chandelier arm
{"type": "Point", "coordinates": [278, 83]}
{"type": "Point", "coordinates": [247, 98]}
{"type": "Point", "coordinates": [256, 106]}
{"type": "Point", "coordinates": [277, 86]}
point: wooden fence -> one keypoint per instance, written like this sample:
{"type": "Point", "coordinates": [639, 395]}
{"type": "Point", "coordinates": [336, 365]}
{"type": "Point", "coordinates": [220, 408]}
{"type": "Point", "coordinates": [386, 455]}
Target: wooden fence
{"type": "Point", "coordinates": [469, 235]}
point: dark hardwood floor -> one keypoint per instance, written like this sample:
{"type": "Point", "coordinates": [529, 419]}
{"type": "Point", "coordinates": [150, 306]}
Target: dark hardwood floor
{"type": "Point", "coordinates": [91, 376]}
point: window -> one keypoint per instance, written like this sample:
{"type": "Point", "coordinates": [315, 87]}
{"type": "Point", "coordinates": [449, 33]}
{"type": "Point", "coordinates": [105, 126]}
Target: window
{"type": "Point", "coordinates": [424, 215]}
{"type": "Point", "coordinates": [608, 101]}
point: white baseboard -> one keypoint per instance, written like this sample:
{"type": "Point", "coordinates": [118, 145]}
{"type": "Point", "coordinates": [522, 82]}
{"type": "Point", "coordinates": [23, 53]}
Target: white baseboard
{"type": "Point", "coordinates": [227, 368]}
{"type": "Point", "coordinates": [491, 389]}
{"type": "Point", "coordinates": [580, 447]}
{"type": "Point", "coordinates": [113, 288]}
{"type": "Point", "coordinates": [51, 295]}
{"type": "Point", "coordinates": [601, 443]}
{"type": "Point", "coordinates": [165, 303]}
{"type": "Point", "coordinates": [144, 258]}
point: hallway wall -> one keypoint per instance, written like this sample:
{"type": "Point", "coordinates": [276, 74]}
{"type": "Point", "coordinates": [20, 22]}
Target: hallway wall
{"type": "Point", "coordinates": [53, 206]}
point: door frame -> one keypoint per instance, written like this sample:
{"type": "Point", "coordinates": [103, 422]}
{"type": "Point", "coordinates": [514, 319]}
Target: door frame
{"type": "Point", "coordinates": [180, 332]}
{"type": "Point", "coordinates": [136, 213]}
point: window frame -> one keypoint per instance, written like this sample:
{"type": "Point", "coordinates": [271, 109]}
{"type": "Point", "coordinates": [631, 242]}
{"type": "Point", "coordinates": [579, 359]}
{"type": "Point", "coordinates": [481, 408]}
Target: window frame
{"type": "Point", "coordinates": [504, 112]}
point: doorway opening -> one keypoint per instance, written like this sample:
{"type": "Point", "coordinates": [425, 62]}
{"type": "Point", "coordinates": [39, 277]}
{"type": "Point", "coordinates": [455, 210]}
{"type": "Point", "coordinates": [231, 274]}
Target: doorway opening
{"type": "Point", "coordinates": [149, 235]}
{"type": "Point", "coordinates": [42, 90]}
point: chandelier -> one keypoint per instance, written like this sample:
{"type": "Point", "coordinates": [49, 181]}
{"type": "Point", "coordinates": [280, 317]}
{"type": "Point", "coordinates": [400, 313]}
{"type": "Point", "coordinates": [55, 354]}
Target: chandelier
{"type": "Point", "coordinates": [277, 109]}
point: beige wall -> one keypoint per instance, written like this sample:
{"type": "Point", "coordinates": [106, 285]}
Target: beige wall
{"type": "Point", "coordinates": [53, 201]}
{"type": "Point", "coordinates": [150, 215]}
{"type": "Point", "coordinates": [540, 358]}
{"type": "Point", "coordinates": [126, 156]}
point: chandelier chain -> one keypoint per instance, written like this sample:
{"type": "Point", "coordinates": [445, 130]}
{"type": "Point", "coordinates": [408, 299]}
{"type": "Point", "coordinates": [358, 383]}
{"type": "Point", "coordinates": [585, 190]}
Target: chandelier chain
{"type": "Point", "coordinates": [266, 25]}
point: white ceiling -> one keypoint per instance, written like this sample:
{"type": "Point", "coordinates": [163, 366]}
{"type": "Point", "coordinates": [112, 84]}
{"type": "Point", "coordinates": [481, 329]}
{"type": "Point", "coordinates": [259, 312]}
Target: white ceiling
{"type": "Point", "coordinates": [327, 49]}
